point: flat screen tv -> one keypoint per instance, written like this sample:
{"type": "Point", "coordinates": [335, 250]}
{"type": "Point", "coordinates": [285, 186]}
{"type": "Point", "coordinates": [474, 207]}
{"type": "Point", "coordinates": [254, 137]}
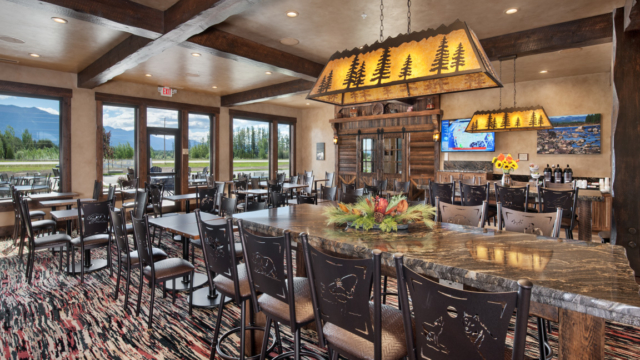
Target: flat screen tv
{"type": "Point", "coordinates": [455, 139]}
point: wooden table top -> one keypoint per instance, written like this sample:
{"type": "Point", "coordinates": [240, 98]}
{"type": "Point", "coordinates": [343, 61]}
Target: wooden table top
{"type": "Point", "coordinates": [63, 202]}
{"type": "Point", "coordinates": [585, 277]}
{"type": "Point", "coordinates": [183, 224]}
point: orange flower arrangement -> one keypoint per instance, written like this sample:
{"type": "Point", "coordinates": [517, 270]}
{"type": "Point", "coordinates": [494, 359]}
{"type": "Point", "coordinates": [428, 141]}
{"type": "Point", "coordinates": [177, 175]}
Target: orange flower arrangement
{"type": "Point", "coordinates": [506, 163]}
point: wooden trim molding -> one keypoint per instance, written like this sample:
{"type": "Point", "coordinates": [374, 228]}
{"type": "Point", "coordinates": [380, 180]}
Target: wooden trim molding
{"type": "Point", "coordinates": [267, 93]}
{"type": "Point", "coordinates": [18, 88]}
{"type": "Point", "coordinates": [136, 101]}
{"type": "Point", "coordinates": [99, 142]}
{"type": "Point", "coordinates": [261, 117]}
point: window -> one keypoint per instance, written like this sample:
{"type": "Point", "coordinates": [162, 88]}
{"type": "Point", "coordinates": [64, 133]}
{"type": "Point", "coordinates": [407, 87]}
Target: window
{"type": "Point", "coordinates": [367, 156]}
{"type": "Point", "coordinates": [251, 147]}
{"type": "Point", "coordinates": [199, 143]}
{"type": "Point", "coordinates": [162, 127]}
{"type": "Point", "coordinates": [392, 159]}
{"type": "Point", "coordinates": [29, 136]}
{"type": "Point", "coordinates": [162, 118]}
{"type": "Point", "coordinates": [118, 124]}
{"type": "Point", "coordinates": [284, 147]}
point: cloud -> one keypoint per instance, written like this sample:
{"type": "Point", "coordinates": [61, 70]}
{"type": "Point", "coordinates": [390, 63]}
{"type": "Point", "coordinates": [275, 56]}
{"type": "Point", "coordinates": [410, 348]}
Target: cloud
{"type": "Point", "coordinates": [160, 117]}
{"type": "Point", "coordinates": [119, 118]}
{"type": "Point", "coordinates": [198, 135]}
{"type": "Point", "coordinates": [49, 110]}
{"type": "Point", "coordinates": [2, 97]}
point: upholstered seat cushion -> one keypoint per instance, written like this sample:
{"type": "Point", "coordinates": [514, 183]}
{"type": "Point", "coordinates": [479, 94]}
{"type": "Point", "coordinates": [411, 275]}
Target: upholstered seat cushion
{"type": "Point", "coordinates": [42, 224]}
{"type": "Point", "coordinates": [128, 204]}
{"type": "Point", "coordinates": [158, 254]}
{"type": "Point", "coordinates": [36, 213]}
{"type": "Point", "coordinates": [52, 240]}
{"type": "Point", "coordinates": [91, 240]}
{"type": "Point", "coordinates": [393, 338]}
{"type": "Point", "coordinates": [169, 268]}
{"type": "Point", "coordinates": [304, 305]}
{"type": "Point", "coordinates": [226, 285]}
{"type": "Point", "coordinates": [237, 247]}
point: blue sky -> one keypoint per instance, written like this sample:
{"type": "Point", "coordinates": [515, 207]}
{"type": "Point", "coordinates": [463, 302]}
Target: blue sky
{"type": "Point", "coordinates": [241, 123]}
{"type": "Point", "coordinates": [50, 106]}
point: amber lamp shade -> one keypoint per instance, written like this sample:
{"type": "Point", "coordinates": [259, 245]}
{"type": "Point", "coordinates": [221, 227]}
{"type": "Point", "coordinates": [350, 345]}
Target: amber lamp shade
{"type": "Point", "coordinates": [511, 119]}
{"type": "Point", "coordinates": [445, 60]}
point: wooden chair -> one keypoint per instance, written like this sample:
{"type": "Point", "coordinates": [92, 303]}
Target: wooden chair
{"type": "Point", "coordinates": [472, 215]}
{"type": "Point", "coordinates": [348, 322]}
{"type": "Point", "coordinates": [51, 241]}
{"type": "Point", "coordinates": [285, 298]}
{"type": "Point", "coordinates": [231, 280]}
{"type": "Point", "coordinates": [157, 272]}
{"type": "Point", "coordinates": [549, 200]}
{"type": "Point", "coordinates": [93, 231]}
{"type": "Point", "coordinates": [541, 224]}
{"type": "Point", "coordinates": [459, 324]}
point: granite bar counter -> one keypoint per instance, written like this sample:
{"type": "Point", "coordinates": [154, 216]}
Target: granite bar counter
{"type": "Point", "coordinates": [587, 278]}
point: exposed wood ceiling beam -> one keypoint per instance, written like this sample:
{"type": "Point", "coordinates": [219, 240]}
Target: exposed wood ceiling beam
{"type": "Point", "coordinates": [571, 34]}
{"type": "Point", "coordinates": [632, 15]}
{"type": "Point", "coordinates": [196, 15]}
{"type": "Point", "coordinates": [121, 15]}
{"type": "Point", "coordinates": [267, 93]}
{"type": "Point", "coordinates": [223, 44]}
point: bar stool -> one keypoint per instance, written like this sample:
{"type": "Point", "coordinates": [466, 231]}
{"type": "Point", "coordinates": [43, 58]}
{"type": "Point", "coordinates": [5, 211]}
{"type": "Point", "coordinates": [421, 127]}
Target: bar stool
{"type": "Point", "coordinates": [231, 281]}
{"type": "Point", "coordinates": [267, 274]}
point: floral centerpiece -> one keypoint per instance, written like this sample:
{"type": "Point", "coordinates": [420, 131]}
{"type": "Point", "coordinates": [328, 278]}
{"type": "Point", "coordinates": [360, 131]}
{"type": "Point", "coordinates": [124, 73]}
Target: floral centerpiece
{"type": "Point", "coordinates": [507, 164]}
{"type": "Point", "coordinates": [378, 213]}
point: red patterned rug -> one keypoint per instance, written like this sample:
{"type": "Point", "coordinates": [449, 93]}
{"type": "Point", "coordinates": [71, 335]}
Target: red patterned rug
{"type": "Point", "coordinates": [58, 318]}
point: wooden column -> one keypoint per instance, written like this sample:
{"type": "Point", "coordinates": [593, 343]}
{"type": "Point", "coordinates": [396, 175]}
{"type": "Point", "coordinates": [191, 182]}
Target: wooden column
{"type": "Point", "coordinates": [65, 148]}
{"type": "Point", "coordinates": [273, 151]}
{"type": "Point", "coordinates": [580, 337]}
{"type": "Point", "coordinates": [99, 141]}
{"type": "Point", "coordinates": [215, 147]}
{"type": "Point", "coordinates": [626, 168]}
{"type": "Point", "coordinates": [142, 163]}
{"type": "Point", "coordinates": [182, 159]}
{"type": "Point", "coordinates": [292, 149]}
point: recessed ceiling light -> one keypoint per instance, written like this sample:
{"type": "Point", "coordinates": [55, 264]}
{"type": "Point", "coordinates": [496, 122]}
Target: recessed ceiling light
{"type": "Point", "coordinates": [360, 47]}
{"type": "Point", "coordinates": [147, 75]}
{"type": "Point", "coordinates": [543, 71]}
{"type": "Point", "coordinates": [289, 41]}
{"type": "Point", "coordinates": [292, 14]}
{"type": "Point", "coordinates": [195, 54]}
{"type": "Point", "coordinates": [59, 20]}
{"type": "Point", "coordinates": [10, 39]}
{"type": "Point", "coordinates": [268, 72]}
{"type": "Point", "coordinates": [34, 55]}
{"type": "Point", "coordinates": [511, 11]}
{"type": "Point", "coordinates": [307, 104]}
{"type": "Point", "coordinates": [214, 87]}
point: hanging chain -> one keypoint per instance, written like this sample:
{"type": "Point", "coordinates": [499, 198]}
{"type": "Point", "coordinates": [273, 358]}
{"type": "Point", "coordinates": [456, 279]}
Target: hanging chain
{"type": "Point", "coordinates": [501, 87]}
{"type": "Point", "coordinates": [514, 82]}
{"type": "Point", "coordinates": [381, 21]}
{"type": "Point", "coordinates": [409, 17]}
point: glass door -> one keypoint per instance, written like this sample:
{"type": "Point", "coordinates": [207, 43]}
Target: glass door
{"type": "Point", "coordinates": [162, 158]}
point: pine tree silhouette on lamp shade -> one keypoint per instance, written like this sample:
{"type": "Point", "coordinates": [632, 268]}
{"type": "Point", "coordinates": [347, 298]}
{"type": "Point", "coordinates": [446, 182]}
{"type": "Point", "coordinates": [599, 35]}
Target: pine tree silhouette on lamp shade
{"type": "Point", "coordinates": [509, 120]}
{"type": "Point", "coordinates": [428, 62]}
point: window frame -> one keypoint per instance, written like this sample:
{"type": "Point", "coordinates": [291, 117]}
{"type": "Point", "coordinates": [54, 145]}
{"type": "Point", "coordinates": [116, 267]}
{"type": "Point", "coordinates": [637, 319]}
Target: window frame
{"type": "Point", "coordinates": [212, 147]}
{"type": "Point", "coordinates": [373, 157]}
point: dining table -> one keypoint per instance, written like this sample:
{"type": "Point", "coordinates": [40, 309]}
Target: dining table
{"type": "Point", "coordinates": [583, 209]}
{"type": "Point", "coordinates": [186, 226]}
{"type": "Point", "coordinates": [183, 197]}
{"type": "Point", "coordinates": [52, 196]}
{"type": "Point", "coordinates": [68, 203]}
{"type": "Point", "coordinates": [577, 284]}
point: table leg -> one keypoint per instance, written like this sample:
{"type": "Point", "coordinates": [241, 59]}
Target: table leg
{"type": "Point", "coordinates": [584, 218]}
{"type": "Point", "coordinates": [188, 205]}
{"type": "Point", "coordinates": [581, 336]}
{"type": "Point", "coordinates": [184, 284]}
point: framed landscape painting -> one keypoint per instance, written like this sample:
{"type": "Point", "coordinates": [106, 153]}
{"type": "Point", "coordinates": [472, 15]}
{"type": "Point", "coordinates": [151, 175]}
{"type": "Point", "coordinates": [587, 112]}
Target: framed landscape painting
{"type": "Point", "coordinates": [573, 134]}
{"type": "Point", "coordinates": [319, 151]}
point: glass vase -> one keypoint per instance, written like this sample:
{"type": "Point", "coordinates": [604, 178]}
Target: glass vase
{"type": "Point", "coordinates": [506, 180]}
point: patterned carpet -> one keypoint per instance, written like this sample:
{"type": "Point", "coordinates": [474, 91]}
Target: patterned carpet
{"type": "Point", "coordinates": [57, 318]}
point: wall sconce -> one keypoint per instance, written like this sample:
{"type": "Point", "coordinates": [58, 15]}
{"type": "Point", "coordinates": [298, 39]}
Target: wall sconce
{"type": "Point", "coordinates": [335, 140]}
{"type": "Point", "coordinates": [436, 136]}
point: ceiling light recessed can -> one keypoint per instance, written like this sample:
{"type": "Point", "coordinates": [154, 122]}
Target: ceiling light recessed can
{"type": "Point", "coordinates": [292, 13]}
{"type": "Point", "coordinates": [195, 54]}
{"type": "Point", "coordinates": [214, 87]}
{"type": "Point", "coordinates": [511, 11]}
{"type": "Point", "coordinates": [289, 41]}
{"type": "Point", "coordinates": [34, 55]}
{"type": "Point", "coordinates": [307, 104]}
{"type": "Point", "coordinates": [59, 20]}
{"type": "Point", "coordinates": [543, 71]}
{"type": "Point", "coordinates": [268, 72]}
{"type": "Point", "coordinates": [147, 75]}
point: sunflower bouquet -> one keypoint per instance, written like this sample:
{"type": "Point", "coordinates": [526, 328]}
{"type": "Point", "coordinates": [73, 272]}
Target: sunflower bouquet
{"type": "Point", "coordinates": [506, 163]}
{"type": "Point", "coordinates": [379, 213]}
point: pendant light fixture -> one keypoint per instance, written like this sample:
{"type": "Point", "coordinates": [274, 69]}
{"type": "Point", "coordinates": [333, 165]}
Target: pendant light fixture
{"type": "Point", "coordinates": [509, 119]}
{"type": "Point", "coordinates": [434, 61]}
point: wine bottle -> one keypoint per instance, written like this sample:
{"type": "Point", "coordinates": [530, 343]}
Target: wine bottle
{"type": "Point", "coordinates": [568, 175]}
{"type": "Point", "coordinates": [557, 174]}
{"type": "Point", "coordinates": [547, 174]}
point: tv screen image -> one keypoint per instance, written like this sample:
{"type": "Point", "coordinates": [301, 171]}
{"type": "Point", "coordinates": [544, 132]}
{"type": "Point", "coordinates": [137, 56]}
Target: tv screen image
{"type": "Point", "coordinates": [454, 138]}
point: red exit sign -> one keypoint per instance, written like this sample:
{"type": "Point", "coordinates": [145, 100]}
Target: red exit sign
{"type": "Point", "coordinates": [166, 91]}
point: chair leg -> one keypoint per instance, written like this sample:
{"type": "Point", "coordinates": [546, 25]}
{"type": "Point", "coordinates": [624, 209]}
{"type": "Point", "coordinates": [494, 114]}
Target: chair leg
{"type": "Point", "coordinates": [73, 260]}
{"type": "Point", "coordinates": [296, 345]}
{"type": "Point", "coordinates": [334, 356]}
{"type": "Point", "coordinates": [126, 291]}
{"type": "Point", "coordinates": [278, 339]}
{"type": "Point", "coordinates": [82, 265]}
{"type": "Point", "coordinates": [265, 339]}
{"type": "Point", "coordinates": [164, 290]}
{"type": "Point", "coordinates": [384, 290]}
{"type": "Point", "coordinates": [140, 289]}
{"type": "Point", "coordinates": [153, 297]}
{"type": "Point", "coordinates": [242, 329]}
{"type": "Point", "coordinates": [61, 259]}
{"type": "Point", "coordinates": [216, 332]}
{"type": "Point", "coordinates": [109, 259]}
{"type": "Point", "coordinates": [27, 273]}
{"type": "Point", "coordinates": [173, 292]}
{"type": "Point", "coordinates": [115, 294]}
{"type": "Point", "coordinates": [190, 293]}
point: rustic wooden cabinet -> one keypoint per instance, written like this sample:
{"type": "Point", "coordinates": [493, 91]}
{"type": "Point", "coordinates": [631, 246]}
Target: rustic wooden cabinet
{"type": "Point", "coordinates": [601, 214]}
